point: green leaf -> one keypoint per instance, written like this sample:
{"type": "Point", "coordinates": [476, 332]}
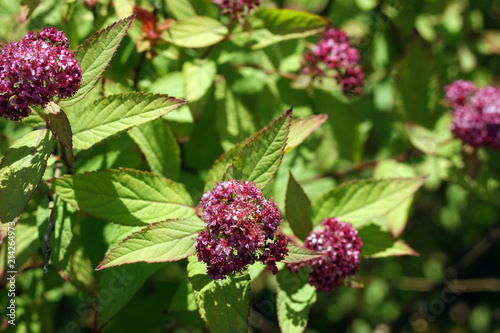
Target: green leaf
{"type": "Point", "coordinates": [298, 209]}
{"type": "Point", "coordinates": [224, 305]}
{"type": "Point", "coordinates": [170, 240]}
{"type": "Point", "coordinates": [159, 146]}
{"type": "Point", "coordinates": [295, 298]}
{"type": "Point", "coordinates": [117, 285]}
{"type": "Point", "coordinates": [183, 299]}
{"type": "Point", "coordinates": [21, 170]}
{"type": "Point", "coordinates": [260, 158]}
{"type": "Point", "coordinates": [125, 196]}
{"type": "Point", "coordinates": [298, 253]}
{"type": "Point", "coordinates": [270, 26]}
{"type": "Point", "coordinates": [94, 56]}
{"type": "Point", "coordinates": [196, 32]}
{"type": "Point", "coordinates": [399, 248]}
{"type": "Point", "coordinates": [58, 124]}
{"type": "Point", "coordinates": [416, 84]}
{"type": "Point", "coordinates": [302, 128]}
{"type": "Point", "coordinates": [360, 201]}
{"type": "Point", "coordinates": [374, 240]}
{"type": "Point", "coordinates": [220, 166]}
{"type": "Point", "coordinates": [112, 115]}
{"type": "Point", "coordinates": [199, 77]}
{"type": "Point", "coordinates": [62, 237]}
{"type": "Point", "coordinates": [233, 121]}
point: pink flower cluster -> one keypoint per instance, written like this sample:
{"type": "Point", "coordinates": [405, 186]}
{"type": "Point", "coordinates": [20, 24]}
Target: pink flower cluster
{"type": "Point", "coordinates": [334, 51]}
{"type": "Point", "coordinates": [341, 247]}
{"type": "Point", "coordinates": [241, 227]}
{"type": "Point", "coordinates": [234, 7]}
{"type": "Point", "coordinates": [34, 70]}
{"type": "Point", "coordinates": [476, 116]}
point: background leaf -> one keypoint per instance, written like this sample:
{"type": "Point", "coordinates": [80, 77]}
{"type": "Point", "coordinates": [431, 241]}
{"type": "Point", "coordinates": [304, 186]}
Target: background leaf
{"type": "Point", "coordinates": [298, 209]}
{"type": "Point", "coordinates": [169, 240]}
{"type": "Point", "coordinates": [125, 196]}
{"type": "Point", "coordinates": [111, 115]}
{"type": "Point", "coordinates": [358, 202]}
{"type": "Point", "coordinates": [214, 296]}
{"type": "Point", "coordinates": [21, 170]}
{"type": "Point", "coordinates": [302, 128]}
{"type": "Point", "coordinates": [196, 32]}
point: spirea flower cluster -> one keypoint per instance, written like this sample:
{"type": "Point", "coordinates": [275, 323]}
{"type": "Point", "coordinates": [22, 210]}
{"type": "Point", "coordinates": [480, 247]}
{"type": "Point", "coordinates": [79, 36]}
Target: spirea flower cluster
{"type": "Point", "coordinates": [34, 70]}
{"type": "Point", "coordinates": [476, 116]}
{"type": "Point", "coordinates": [341, 247]}
{"type": "Point", "coordinates": [241, 227]}
{"type": "Point", "coordinates": [234, 7]}
{"type": "Point", "coordinates": [334, 51]}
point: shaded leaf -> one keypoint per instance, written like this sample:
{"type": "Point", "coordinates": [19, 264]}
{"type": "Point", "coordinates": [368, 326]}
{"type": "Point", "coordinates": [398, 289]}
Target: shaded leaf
{"type": "Point", "coordinates": [298, 209]}
{"type": "Point", "coordinates": [60, 242]}
{"type": "Point", "coordinates": [399, 248]}
{"type": "Point", "coordinates": [125, 196]}
{"type": "Point", "coordinates": [374, 239]}
{"type": "Point", "coordinates": [59, 125]}
{"type": "Point", "coordinates": [21, 170]}
{"type": "Point", "coordinates": [220, 166]}
{"type": "Point", "coordinates": [224, 305]}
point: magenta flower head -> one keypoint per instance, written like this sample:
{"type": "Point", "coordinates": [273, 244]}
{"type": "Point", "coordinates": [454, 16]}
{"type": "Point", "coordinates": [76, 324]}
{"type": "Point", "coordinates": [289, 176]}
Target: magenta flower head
{"type": "Point", "coordinates": [476, 116]}
{"type": "Point", "coordinates": [334, 52]}
{"type": "Point", "coordinates": [34, 70]}
{"type": "Point", "coordinates": [234, 7]}
{"type": "Point", "coordinates": [341, 248]}
{"type": "Point", "coordinates": [241, 227]}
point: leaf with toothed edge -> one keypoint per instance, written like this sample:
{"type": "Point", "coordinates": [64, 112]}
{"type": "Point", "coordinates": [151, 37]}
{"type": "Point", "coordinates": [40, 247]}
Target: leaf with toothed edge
{"type": "Point", "coordinates": [224, 305]}
{"type": "Point", "coordinates": [260, 157]}
{"type": "Point", "coordinates": [95, 54]}
{"type": "Point", "coordinates": [169, 240]}
{"type": "Point", "coordinates": [125, 196]}
{"type": "Point", "coordinates": [21, 170]}
{"type": "Point", "coordinates": [302, 128]}
{"type": "Point", "coordinates": [114, 114]}
{"type": "Point", "coordinates": [220, 166]}
{"type": "Point", "coordinates": [298, 254]}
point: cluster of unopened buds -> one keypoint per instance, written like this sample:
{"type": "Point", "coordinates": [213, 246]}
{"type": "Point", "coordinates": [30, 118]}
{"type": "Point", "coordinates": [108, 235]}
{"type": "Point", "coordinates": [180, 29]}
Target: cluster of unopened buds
{"type": "Point", "coordinates": [340, 247]}
{"type": "Point", "coordinates": [476, 116]}
{"type": "Point", "coordinates": [241, 226]}
{"type": "Point", "coordinates": [334, 52]}
{"type": "Point", "coordinates": [235, 7]}
{"type": "Point", "coordinates": [35, 70]}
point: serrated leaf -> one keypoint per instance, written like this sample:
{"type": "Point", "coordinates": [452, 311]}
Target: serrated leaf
{"type": "Point", "coordinates": [233, 121]}
{"type": "Point", "coordinates": [220, 166]}
{"type": "Point", "coordinates": [298, 209]}
{"type": "Point", "coordinates": [94, 56]}
{"type": "Point", "coordinates": [295, 298]}
{"type": "Point", "coordinates": [271, 25]}
{"type": "Point", "coordinates": [169, 240]}
{"type": "Point", "coordinates": [260, 158]}
{"type": "Point", "coordinates": [196, 32]}
{"type": "Point", "coordinates": [416, 83]}
{"type": "Point", "coordinates": [117, 285]}
{"type": "Point", "coordinates": [298, 254]}
{"type": "Point", "coordinates": [125, 196]}
{"type": "Point", "coordinates": [360, 201]}
{"type": "Point", "coordinates": [114, 114]}
{"type": "Point", "coordinates": [21, 170]}
{"type": "Point", "coordinates": [374, 240]}
{"type": "Point", "coordinates": [159, 146]}
{"type": "Point", "coordinates": [59, 125]}
{"type": "Point", "coordinates": [399, 248]}
{"type": "Point", "coordinates": [64, 215]}
{"type": "Point", "coordinates": [302, 128]}
{"type": "Point", "coordinates": [224, 305]}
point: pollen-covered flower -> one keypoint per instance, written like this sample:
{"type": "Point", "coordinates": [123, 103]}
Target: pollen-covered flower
{"type": "Point", "coordinates": [234, 7]}
{"type": "Point", "coordinates": [334, 52]}
{"type": "Point", "coordinates": [341, 247]}
{"type": "Point", "coordinates": [476, 116]}
{"type": "Point", "coordinates": [241, 227]}
{"type": "Point", "coordinates": [34, 70]}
